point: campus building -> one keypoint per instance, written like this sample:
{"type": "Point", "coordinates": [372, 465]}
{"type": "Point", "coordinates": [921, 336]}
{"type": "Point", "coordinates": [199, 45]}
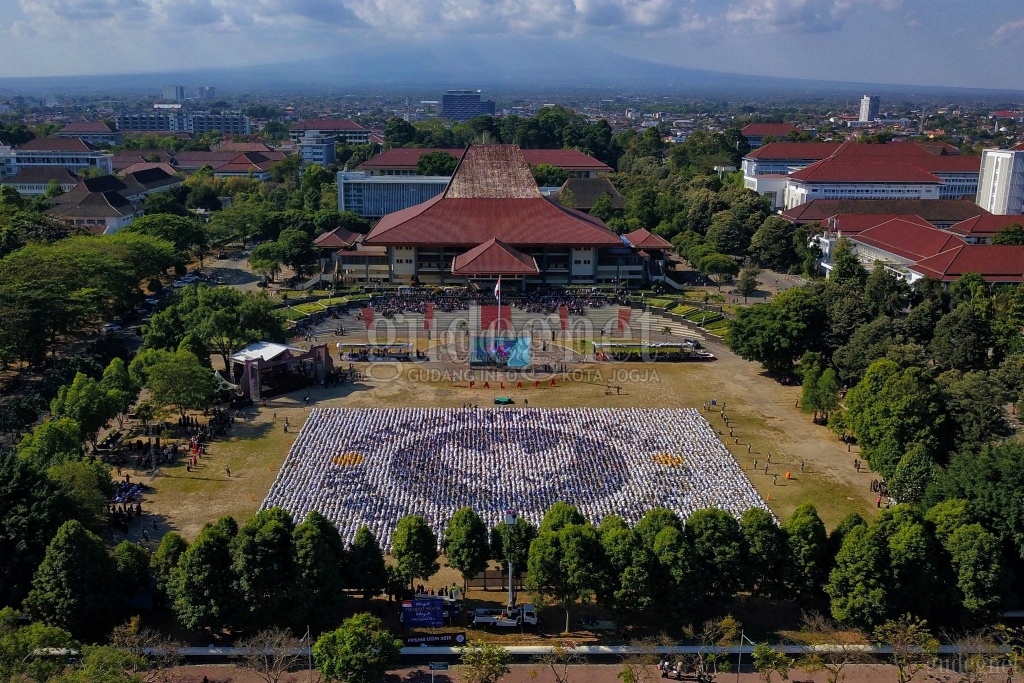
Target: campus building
{"type": "Point", "coordinates": [316, 149]}
{"type": "Point", "coordinates": [338, 130]}
{"type": "Point", "coordinates": [755, 133]}
{"type": "Point", "coordinates": [72, 154]}
{"type": "Point", "coordinates": [178, 121]}
{"type": "Point", "coordinates": [463, 105]}
{"type": "Point", "coordinates": [491, 211]}
{"type": "Point", "coordinates": [404, 160]}
{"type": "Point", "coordinates": [93, 132]}
{"type": "Point", "coordinates": [374, 196]}
{"type": "Point", "coordinates": [869, 105]}
{"type": "Point", "coordinates": [1001, 185]}
{"type": "Point", "coordinates": [791, 174]}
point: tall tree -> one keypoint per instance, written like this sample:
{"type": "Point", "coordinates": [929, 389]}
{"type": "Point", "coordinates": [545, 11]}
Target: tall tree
{"type": "Point", "coordinates": [165, 559]}
{"type": "Point", "coordinates": [565, 565]}
{"type": "Point", "coordinates": [436, 164]}
{"type": "Point", "coordinates": [360, 651]}
{"type": "Point", "coordinates": [202, 585]}
{"type": "Point", "coordinates": [131, 567]}
{"type": "Point", "coordinates": [808, 548]}
{"type": "Point", "coordinates": [721, 551]}
{"type": "Point", "coordinates": [465, 544]}
{"type": "Point", "coordinates": [320, 575]}
{"type": "Point", "coordinates": [963, 339]}
{"type": "Point", "coordinates": [414, 547]}
{"type": "Point", "coordinates": [85, 402]}
{"type": "Point", "coordinates": [512, 542]}
{"type": "Point", "coordinates": [366, 567]}
{"type": "Point", "coordinates": [88, 489]}
{"type": "Point", "coordinates": [485, 663]}
{"type": "Point", "coordinates": [73, 586]}
{"type": "Point", "coordinates": [768, 553]}
{"type": "Point", "coordinates": [846, 267]}
{"type": "Point", "coordinates": [262, 564]}
{"type": "Point", "coordinates": [182, 382]}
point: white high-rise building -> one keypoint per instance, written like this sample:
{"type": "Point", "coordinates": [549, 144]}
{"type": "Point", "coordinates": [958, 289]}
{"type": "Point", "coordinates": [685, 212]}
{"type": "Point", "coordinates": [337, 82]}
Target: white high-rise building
{"type": "Point", "coordinates": [1001, 182]}
{"type": "Point", "coordinates": [174, 93]}
{"type": "Point", "coordinates": [868, 108]}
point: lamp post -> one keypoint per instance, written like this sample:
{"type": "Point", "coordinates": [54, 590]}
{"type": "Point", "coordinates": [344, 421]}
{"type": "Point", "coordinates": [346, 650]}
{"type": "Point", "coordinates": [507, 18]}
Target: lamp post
{"type": "Point", "coordinates": [510, 521]}
{"type": "Point", "coordinates": [739, 654]}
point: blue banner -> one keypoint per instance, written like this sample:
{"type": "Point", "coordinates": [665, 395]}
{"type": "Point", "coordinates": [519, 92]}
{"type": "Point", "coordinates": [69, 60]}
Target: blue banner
{"type": "Point", "coordinates": [423, 613]}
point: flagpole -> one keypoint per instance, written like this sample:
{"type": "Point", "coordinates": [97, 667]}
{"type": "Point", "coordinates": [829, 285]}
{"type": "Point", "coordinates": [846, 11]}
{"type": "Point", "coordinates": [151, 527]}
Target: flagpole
{"type": "Point", "coordinates": [499, 303]}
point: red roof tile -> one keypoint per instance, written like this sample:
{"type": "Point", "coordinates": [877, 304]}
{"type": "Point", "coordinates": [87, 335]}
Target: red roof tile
{"type": "Point", "coordinates": [339, 238]}
{"type": "Point", "coordinates": [795, 150]}
{"type": "Point", "coordinates": [57, 145]}
{"type": "Point", "coordinates": [779, 130]}
{"type": "Point", "coordinates": [984, 226]}
{"type": "Point", "coordinates": [569, 159]}
{"type": "Point", "coordinates": [327, 124]}
{"type": "Point", "coordinates": [491, 195]}
{"type": "Point", "coordinates": [855, 223]}
{"type": "Point", "coordinates": [834, 171]}
{"type": "Point", "coordinates": [494, 257]}
{"type": "Point", "coordinates": [932, 210]}
{"type": "Point", "coordinates": [645, 239]}
{"type": "Point", "coordinates": [88, 127]}
{"type": "Point", "coordinates": [994, 262]}
{"type": "Point", "coordinates": [908, 239]}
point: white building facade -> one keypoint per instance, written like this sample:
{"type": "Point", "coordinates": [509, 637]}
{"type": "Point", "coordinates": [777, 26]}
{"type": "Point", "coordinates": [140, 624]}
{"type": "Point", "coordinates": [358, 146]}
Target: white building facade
{"type": "Point", "coordinates": [373, 196]}
{"type": "Point", "coordinates": [1001, 182]}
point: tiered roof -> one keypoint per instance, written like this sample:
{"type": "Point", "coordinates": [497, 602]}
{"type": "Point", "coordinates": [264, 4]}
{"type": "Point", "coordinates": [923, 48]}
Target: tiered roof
{"type": "Point", "coordinates": [494, 257]}
{"type": "Point", "coordinates": [492, 195]}
{"type": "Point", "coordinates": [909, 239]}
{"type": "Point", "coordinates": [984, 226]}
{"type": "Point", "coordinates": [994, 262]}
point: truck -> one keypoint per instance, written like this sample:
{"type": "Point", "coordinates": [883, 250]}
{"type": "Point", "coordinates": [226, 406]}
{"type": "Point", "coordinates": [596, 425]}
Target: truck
{"type": "Point", "coordinates": [525, 615]}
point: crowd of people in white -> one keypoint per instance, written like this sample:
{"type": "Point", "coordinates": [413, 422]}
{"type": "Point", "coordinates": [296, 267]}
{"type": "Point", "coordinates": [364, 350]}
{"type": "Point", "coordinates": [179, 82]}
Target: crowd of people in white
{"type": "Point", "coordinates": [374, 466]}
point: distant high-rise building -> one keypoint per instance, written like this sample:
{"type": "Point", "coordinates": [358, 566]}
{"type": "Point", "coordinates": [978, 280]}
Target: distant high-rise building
{"type": "Point", "coordinates": [228, 123]}
{"type": "Point", "coordinates": [1001, 182]}
{"type": "Point", "coordinates": [174, 93]}
{"type": "Point", "coordinates": [463, 105]}
{"type": "Point", "coordinates": [868, 108]}
{"type": "Point", "coordinates": [207, 92]}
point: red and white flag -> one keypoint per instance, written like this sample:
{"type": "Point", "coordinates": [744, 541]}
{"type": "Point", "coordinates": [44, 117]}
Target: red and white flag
{"type": "Point", "coordinates": [497, 288]}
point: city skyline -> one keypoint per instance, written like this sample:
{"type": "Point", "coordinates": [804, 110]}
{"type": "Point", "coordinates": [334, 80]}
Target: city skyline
{"type": "Point", "coordinates": [940, 43]}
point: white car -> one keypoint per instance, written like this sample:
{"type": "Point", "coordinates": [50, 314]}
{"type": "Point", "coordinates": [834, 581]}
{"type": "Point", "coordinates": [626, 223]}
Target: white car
{"type": "Point", "coordinates": [111, 327]}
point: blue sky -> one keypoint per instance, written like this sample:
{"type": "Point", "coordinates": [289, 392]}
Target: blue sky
{"type": "Point", "coordinates": [970, 43]}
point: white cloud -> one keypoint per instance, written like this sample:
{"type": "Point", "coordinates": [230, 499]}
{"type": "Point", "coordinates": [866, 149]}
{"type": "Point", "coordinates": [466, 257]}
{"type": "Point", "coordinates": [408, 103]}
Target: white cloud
{"type": "Point", "coordinates": [1009, 31]}
{"type": "Point", "coordinates": [804, 16]}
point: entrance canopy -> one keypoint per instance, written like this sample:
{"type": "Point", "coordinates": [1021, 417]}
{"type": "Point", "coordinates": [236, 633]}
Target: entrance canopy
{"type": "Point", "coordinates": [492, 258]}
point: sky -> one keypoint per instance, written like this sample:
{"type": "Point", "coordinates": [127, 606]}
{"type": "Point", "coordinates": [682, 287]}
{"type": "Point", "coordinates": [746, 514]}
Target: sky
{"type": "Point", "coordinates": [959, 43]}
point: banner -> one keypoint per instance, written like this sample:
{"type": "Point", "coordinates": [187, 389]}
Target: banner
{"type": "Point", "coordinates": [436, 640]}
{"type": "Point", "coordinates": [254, 379]}
{"type": "Point", "coordinates": [423, 613]}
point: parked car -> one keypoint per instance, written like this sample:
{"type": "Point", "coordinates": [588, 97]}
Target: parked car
{"type": "Point", "coordinates": [191, 277]}
{"type": "Point", "coordinates": [152, 302]}
{"type": "Point", "coordinates": [178, 284]}
{"type": "Point", "coordinates": [110, 328]}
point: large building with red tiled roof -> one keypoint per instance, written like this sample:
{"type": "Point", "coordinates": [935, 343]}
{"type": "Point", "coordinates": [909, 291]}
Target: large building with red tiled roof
{"type": "Point", "coordinates": [996, 263]}
{"type": "Point", "coordinates": [403, 161]}
{"type": "Point", "coordinates": [981, 229]}
{"type": "Point", "coordinates": [492, 207]}
{"type": "Point", "coordinates": [942, 213]}
{"type": "Point", "coordinates": [791, 174]}
{"type": "Point", "coordinates": [71, 153]}
{"type": "Point", "coordinates": [93, 132]}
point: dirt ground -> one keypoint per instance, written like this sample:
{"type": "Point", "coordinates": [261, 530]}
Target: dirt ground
{"type": "Point", "coordinates": [588, 673]}
{"type": "Point", "coordinates": [761, 413]}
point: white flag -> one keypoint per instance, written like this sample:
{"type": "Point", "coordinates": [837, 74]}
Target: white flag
{"type": "Point", "coordinates": [497, 288]}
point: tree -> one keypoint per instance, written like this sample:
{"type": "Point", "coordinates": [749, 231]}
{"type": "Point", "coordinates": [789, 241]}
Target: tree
{"type": "Point", "coordinates": [565, 565]}
{"type": "Point", "coordinates": [913, 645]}
{"type": "Point", "coordinates": [721, 551]}
{"type": "Point", "coordinates": [769, 661]}
{"type": "Point", "coordinates": [1011, 234]}
{"type": "Point", "coordinates": [202, 585]}
{"type": "Point", "coordinates": [183, 382]}
{"type": "Point", "coordinates": [776, 334]}
{"type": "Point", "coordinates": [87, 487]}
{"type": "Point", "coordinates": [296, 247]}
{"type": "Point", "coordinates": [85, 402]}
{"type": "Point", "coordinates": [653, 522]}
{"type": "Point", "coordinates": [121, 390]}
{"type": "Point", "coordinates": [360, 651]}
{"type": "Point", "coordinates": [809, 389]}
{"type": "Point", "coordinates": [262, 564]}
{"type": "Point", "coordinates": [271, 653]}
{"type": "Point", "coordinates": [747, 284]}
{"type": "Point", "coordinates": [767, 552]}
{"type": "Point", "coordinates": [73, 588]}
{"type": "Point", "coordinates": [165, 559]}
{"type": "Point", "coordinates": [51, 443]}
{"type": "Point", "coordinates": [977, 562]}
{"type": "Point", "coordinates": [912, 475]}
{"type": "Point", "coordinates": [890, 409]}
{"type": "Point", "coordinates": [19, 641]}
{"type": "Point", "coordinates": [164, 203]}
{"type": "Point", "coordinates": [962, 339]}
{"type": "Point", "coordinates": [184, 232]}
{"type": "Point", "coordinates": [885, 292]}
{"type": "Point", "coordinates": [718, 267]}
{"type": "Point", "coordinates": [320, 575]}
{"type": "Point", "coordinates": [512, 542]}
{"type": "Point", "coordinates": [603, 207]}
{"type": "Point", "coordinates": [398, 132]}
{"type": "Point", "coordinates": [772, 244]}
{"type": "Point", "coordinates": [465, 544]}
{"type": "Point", "coordinates": [32, 508]}
{"type": "Point", "coordinates": [367, 569]}
{"type": "Point", "coordinates": [846, 267]}
{"type": "Point", "coordinates": [131, 567]}
{"type": "Point", "coordinates": [436, 164]}
{"type": "Point", "coordinates": [266, 259]}
{"type": "Point", "coordinates": [485, 663]}
{"type": "Point", "coordinates": [414, 547]}
{"type": "Point", "coordinates": [726, 234]}
{"type": "Point", "coordinates": [827, 392]}
{"type": "Point", "coordinates": [560, 515]}
{"type": "Point", "coordinates": [153, 656]}
{"type": "Point", "coordinates": [808, 548]}
{"type": "Point", "coordinates": [680, 575]}
{"type": "Point", "coordinates": [713, 637]}
{"type": "Point", "coordinates": [203, 197]}
{"type": "Point", "coordinates": [843, 646]}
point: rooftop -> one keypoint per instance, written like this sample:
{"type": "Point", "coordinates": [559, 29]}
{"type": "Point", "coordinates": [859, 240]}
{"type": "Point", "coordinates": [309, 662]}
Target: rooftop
{"type": "Point", "coordinates": [780, 130]}
{"type": "Point", "coordinates": [494, 257]}
{"type": "Point", "coordinates": [932, 210]}
{"type": "Point", "coordinates": [833, 170]}
{"type": "Point", "coordinates": [795, 150]}
{"type": "Point", "coordinates": [327, 124]}
{"type": "Point", "coordinates": [53, 144]}
{"type": "Point", "coordinates": [984, 226]}
{"type": "Point", "coordinates": [405, 158]}
{"type": "Point", "coordinates": [994, 262]}
{"type": "Point", "coordinates": [908, 239]}
{"type": "Point", "coordinates": [645, 239]}
{"type": "Point", "coordinates": [582, 193]}
{"type": "Point", "coordinates": [88, 128]}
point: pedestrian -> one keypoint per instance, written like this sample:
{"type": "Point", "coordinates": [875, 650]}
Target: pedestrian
{"type": "Point", "coordinates": [145, 534]}
{"type": "Point", "coordinates": [227, 470]}
{"type": "Point", "coordinates": [801, 465]}
{"type": "Point", "coordinates": [526, 403]}
{"type": "Point", "coordinates": [285, 427]}
{"type": "Point", "coordinates": [748, 448]}
{"type": "Point", "coordinates": [275, 415]}
{"type": "Point", "coordinates": [766, 468]}
{"type": "Point", "coordinates": [775, 480]}
{"type": "Point", "coordinates": [878, 501]}
{"type": "Point", "coordinates": [769, 461]}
